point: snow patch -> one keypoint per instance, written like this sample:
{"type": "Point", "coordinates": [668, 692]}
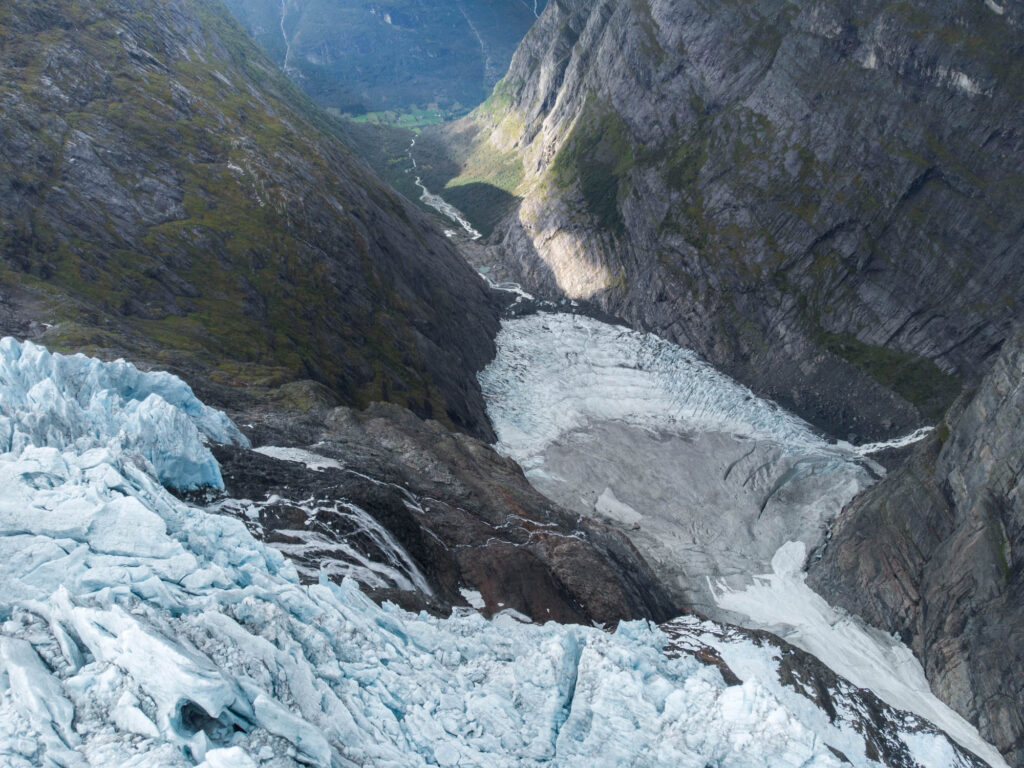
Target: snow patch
{"type": "Point", "coordinates": [473, 597]}
{"type": "Point", "coordinates": [782, 603]}
{"type": "Point", "coordinates": [300, 456]}
{"type": "Point", "coordinates": [612, 508]}
{"type": "Point", "coordinates": [963, 82]}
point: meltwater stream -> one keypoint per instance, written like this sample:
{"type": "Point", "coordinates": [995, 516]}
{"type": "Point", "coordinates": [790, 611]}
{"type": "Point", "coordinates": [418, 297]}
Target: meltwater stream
{"type": "Point", "coordinates": [438, 203]}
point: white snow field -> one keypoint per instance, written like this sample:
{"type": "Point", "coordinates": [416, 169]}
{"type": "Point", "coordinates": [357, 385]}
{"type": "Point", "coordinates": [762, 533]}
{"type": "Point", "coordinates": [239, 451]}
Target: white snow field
{"type": "Point", "coordinates": [707, 479]}
{"type": "Point", "coordinates": [140, 631]}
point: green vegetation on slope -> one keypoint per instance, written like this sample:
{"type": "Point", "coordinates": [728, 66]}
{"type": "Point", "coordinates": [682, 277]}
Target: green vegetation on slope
{"type": "Point", "coordinates": [597, 154]}
{"type": "Point", "coordinates": [185, 204]}
{"type": "Point", "coordinates": [916, 379]}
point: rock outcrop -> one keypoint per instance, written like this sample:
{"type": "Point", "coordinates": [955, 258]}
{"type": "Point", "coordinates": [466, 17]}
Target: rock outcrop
{"type": "Point", "coordinates": [933, 553]}
{"type": "Point", "coordinates": [820, 198]}
{"type": "Point", "coordinates": [466, 518]}
{"type": "Point", "coordinates": [168, 195]}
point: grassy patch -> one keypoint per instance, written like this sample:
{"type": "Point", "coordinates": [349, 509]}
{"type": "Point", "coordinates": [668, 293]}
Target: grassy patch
{"type": "Point", "coordinates": [916, 379]}
{"type": "Point", "coordinates": [598, 154]}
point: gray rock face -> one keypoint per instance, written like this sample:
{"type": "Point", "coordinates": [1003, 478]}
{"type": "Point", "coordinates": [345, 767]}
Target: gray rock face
{"type": "Point", "coordinates": [167, 195]}
{"type": "Point", "coordinates": [820, 198]}
{"type": "Point", "coordinates": [933, 552]}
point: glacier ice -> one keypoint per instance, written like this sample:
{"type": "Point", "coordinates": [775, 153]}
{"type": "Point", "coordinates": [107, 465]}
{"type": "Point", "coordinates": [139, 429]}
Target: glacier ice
{"type": "Point", "coordinates": [139, 630]}
{"type": "Point", "coordinates": [714, 485]}
{"type": "Point", "coordinates": [707, 479]}
{"type": "Point", "coordinates": [556, 373]}
{"type": "Point", "coordinates": [782, 602]}
{"type": "Point", "coordinates": [72, 401]}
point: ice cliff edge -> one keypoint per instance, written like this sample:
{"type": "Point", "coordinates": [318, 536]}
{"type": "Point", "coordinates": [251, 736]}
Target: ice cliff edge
{"type": "Point", "coordinates": [73, 402]}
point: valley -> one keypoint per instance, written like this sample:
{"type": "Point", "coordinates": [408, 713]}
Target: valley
{"type": "Point", "coordinates": [580, 383]}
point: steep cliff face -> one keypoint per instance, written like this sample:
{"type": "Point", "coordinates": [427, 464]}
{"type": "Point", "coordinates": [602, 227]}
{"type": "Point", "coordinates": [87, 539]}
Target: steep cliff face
{"type": "Point", "coordinates": [933, 553]}
{"type": "Point", "coordinates": [166, 194]}
{"type": "Point", "coordinates": [821, 198]}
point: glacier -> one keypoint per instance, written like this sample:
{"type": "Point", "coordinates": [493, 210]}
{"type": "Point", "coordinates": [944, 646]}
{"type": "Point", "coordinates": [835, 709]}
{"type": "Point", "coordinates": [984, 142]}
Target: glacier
{"type": "Point", "coordinates": [141, 630]}
{"type": "Point", "coordinates": [707, 479]}
{"type": "Point", "coordinates": [715, 486]}
{"type": "Point", "coordinates": [60, 401]}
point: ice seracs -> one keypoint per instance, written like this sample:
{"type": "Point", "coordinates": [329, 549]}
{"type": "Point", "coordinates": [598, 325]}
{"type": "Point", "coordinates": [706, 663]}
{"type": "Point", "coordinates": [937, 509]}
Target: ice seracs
{"type": "Point", "coordinates": [75, 402]}
{"type": "Point", "coordinates": [781, 602]}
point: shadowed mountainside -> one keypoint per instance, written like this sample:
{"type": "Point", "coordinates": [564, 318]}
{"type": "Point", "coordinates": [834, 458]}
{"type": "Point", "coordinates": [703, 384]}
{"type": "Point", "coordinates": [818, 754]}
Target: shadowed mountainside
{"type": "Point", "coordinates": [822, 199]}
{"type": "Point", "coordinates": [167, 194]}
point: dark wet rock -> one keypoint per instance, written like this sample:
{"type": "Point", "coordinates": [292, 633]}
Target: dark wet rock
{"type": "Point", "coordinates": [933, 554]}
{"type": "Point", "coordinates": [466, 516]}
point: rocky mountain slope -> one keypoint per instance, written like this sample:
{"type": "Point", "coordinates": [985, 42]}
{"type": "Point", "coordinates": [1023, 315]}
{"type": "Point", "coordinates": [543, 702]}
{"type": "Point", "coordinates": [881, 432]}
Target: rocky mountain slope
{"type": "Point", "coordinates": [933, 553]}
{"type": "Point", "coordinates": [820, 198]}
{"type": "Point", "coordinates": [396, 55]}
{"type": "Point", "coordinates": [447, 508]}
{"type": "Point", "coordinates": [173, 199]}
{"type": "Point", "coordinates": [166, 194]}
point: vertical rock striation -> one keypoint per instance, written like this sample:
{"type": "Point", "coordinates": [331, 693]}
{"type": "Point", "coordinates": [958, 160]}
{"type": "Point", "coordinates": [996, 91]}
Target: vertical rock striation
{"type": "Point", "coordinates": [934, 553]}
{"type": "Point", "coordinates": [820, 198]}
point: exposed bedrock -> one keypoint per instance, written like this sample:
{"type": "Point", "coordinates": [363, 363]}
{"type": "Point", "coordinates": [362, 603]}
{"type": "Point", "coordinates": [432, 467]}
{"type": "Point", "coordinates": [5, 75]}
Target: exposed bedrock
{"type": "Point", "coordinates": [933, 553]}
{"type": "Point", "coordinates": [822, 199]}
{"type": "Point", "coordinates": [467, 518]}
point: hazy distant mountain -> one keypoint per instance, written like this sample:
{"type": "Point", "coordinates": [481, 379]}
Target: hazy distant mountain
{"type": "Point", "coordinates": [357, 55]}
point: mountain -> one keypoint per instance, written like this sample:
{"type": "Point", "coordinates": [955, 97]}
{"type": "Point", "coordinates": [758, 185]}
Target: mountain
{"type": "Point", "coordinates": [172, 199]}
{"type": "Point", "coordinates": [820, 198]}
{"type": "Point", "coordinates": [932, 553]}
{"type": "Point", "coordinates": [823, 201]}
{"type": "Point", "coordinates": [424, 56]}
{"type": "Point", "coordinates": [166, 194]}
{"type": "Point", "coordinates": [373, 583]}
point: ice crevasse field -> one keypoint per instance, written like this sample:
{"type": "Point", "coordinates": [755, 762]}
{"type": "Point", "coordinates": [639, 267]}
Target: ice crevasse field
{"type": "Point", "coordinates": [138, 630]}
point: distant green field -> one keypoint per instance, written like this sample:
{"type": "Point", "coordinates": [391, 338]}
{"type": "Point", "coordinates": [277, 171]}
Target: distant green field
{"type": "Point", "coordinates": [413, 118]}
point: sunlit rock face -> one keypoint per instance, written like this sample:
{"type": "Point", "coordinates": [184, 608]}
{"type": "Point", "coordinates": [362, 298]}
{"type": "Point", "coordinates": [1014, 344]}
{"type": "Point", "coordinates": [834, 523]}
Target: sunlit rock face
{"type": "Point", "coordinates": [818, 197]}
